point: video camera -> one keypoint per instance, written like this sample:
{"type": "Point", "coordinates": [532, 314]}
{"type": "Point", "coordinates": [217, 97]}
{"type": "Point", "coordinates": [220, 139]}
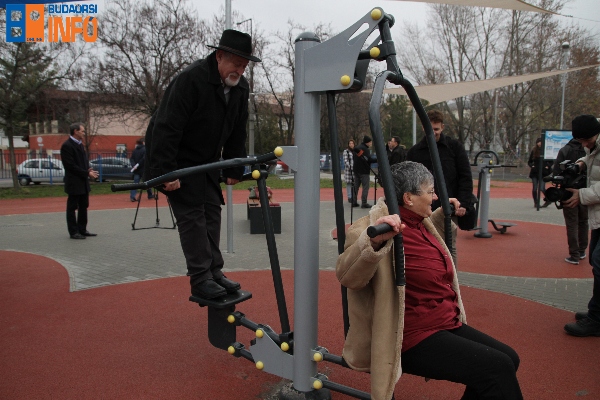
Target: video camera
{"type": "Point", "coordinates": [569, 178]}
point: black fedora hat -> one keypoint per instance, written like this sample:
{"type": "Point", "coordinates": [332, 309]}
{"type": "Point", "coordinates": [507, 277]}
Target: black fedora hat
{"type": "Point", "coordinates": [237, 43]}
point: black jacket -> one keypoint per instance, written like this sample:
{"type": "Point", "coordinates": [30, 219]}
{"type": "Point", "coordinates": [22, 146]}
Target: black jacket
{"type": "Point", "coordinates": [571, 151]}
{"type": "Point", "coordinates": [455, 166]}
{"type": "Point", "coordinates": [534, 163]}
{"type": "Point", "coordinates": [76, 164]}
{"type": "Point", "coordinates": [138, 157]}
{"type": "Point", "coordinates": [361, 155]}
{"type": "Point", "coordinates": [397, 155]}
{"type": "Point", "coordinates": [194, 125]}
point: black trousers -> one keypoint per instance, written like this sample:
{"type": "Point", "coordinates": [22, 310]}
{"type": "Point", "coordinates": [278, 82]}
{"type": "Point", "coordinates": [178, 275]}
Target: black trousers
{"type": "Point", "coordinates": [465, 355]}
{"type": "Point", "coordinates": [78, 202]}
{"type": "Point", "coordinates": [576, 221]}
{"type": "Point", "coordinates": [200, 233]}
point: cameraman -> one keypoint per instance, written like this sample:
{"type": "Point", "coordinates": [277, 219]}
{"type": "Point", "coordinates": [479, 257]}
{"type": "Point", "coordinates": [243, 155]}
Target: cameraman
{"type": "Point", "coordinates": [586, 130]}
{"type": "Point", "coordinates": [576, 218]}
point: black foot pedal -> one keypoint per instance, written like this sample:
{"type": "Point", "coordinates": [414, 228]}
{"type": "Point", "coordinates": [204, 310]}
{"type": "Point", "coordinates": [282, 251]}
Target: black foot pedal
{"type": "Point", "coordinates": [228, 300]}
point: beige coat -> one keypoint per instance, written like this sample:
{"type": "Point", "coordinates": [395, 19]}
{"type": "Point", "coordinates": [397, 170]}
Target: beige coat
{"type": "Point", "coordinates": [590, 195]}
{"type": "Point", "coordinates": [376, 304]}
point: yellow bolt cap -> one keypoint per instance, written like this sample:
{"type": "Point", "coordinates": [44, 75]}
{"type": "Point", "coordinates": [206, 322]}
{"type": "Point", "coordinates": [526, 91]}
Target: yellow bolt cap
{"type": "Point", "coordinates": [260, 333]}
{"type": "Point", "coordinates": [231, 319]}
{"type": "Point", "coordinates": [374, 52]}
{"type": "Point", "coordinates": [260, 365]}
{"type": "Point", "coordinates": [256, 174]}
{"type": "Point", "coordinates": [345, 80]}
{"type": "Point", "coordinates": [278, 151]}
{"type": "Point", "coordinates": [318, 357]}
{"type": "Point", "coordinates": [317, 384]}
{"type": "Point", "coordinates": [285, 346]}
{"type": "Point", "coordinates": [231, 350]}
{"type": "Point", "coordinates": [376, 13]}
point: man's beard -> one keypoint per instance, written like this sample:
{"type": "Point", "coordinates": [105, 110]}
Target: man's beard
{"type": "Point", "coordinates": [231, 82]}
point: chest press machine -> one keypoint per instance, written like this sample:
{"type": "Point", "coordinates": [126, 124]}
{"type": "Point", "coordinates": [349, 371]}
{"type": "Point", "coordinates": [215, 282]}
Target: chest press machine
{"type": "Point", "coordinates": [338, 65]}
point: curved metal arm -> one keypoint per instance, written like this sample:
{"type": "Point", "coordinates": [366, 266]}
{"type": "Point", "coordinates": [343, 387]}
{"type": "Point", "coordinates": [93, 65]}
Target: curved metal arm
{"type": "Point", "coordinates": [180, 173]}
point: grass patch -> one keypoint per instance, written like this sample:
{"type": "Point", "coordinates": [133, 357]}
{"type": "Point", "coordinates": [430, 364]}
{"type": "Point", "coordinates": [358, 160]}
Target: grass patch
{"type": "Point", "coordinates": [46, 190]}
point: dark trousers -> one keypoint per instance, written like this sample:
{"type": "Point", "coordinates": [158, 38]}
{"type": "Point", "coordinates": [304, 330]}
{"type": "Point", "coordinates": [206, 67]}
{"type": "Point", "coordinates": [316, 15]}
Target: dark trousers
{"type": "Point", "coordinates": [542, 188]}
{"type": "Point", "coordinates": [365, 181]}
{"type": "Point", "coordinates": [576, 221]}
{"type": "Point", "coordinates": [464, 355]}
{"type": "Point", "coordinates": [136, 179]}
{"type": "Point", "coordinates": [594, 304]}
{"type": "Point", "coordinates": [200, 233]}
{"type": "Point", "coordinates": [78, 202]}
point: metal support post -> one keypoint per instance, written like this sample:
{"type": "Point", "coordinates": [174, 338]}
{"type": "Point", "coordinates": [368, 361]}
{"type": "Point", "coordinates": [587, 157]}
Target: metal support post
{"type": "Point", "coordinates": [484, 201]}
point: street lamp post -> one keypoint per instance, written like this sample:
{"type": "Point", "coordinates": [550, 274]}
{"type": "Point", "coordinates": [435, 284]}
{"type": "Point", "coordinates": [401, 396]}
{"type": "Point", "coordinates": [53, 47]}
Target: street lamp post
{"type": "Point", "coordinates": [251, 113]}
{"type": "Point", "coordinates": [566, 50]}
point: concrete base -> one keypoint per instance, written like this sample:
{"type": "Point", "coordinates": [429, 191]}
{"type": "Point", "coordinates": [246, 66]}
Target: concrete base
{"type": "Point", "coordinates": [285, 391]}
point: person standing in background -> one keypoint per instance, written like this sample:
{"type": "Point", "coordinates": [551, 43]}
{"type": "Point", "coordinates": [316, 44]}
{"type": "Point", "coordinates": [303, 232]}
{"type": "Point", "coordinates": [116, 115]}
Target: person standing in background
{"type": "Point", "coordinates": [77, 184]}
{"type": "Point", "coordinates": [137, 167]}
{"type": "Point", "coordinates": [534, 173]}
{"type": "Point", "coordinates": [348, 156]}
{"type": "Point", "coordinates": [362, 171]}
{"type": "Point", "coordinates": [395, 152]}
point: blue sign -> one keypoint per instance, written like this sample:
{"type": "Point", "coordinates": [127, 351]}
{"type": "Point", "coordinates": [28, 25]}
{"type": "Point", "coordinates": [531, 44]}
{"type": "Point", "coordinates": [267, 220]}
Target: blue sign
{"type": "Point", "coordinates": [555, 140]}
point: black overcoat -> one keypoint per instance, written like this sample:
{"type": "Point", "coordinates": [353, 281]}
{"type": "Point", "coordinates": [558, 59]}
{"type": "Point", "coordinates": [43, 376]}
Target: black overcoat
{"type": "Point", "coordinates": [76, 164]}
{"type": "Point", "coordinates": [194, 125]}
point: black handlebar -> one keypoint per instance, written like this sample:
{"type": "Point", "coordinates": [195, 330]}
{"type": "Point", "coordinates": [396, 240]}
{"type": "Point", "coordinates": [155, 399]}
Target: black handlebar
{"type": "Point", "coordinates": [377, 230]}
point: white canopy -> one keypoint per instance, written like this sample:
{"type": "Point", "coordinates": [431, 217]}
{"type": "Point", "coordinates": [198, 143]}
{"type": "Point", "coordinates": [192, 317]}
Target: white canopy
{"type": "Point", "coordinates": [447, 91]}
{"type": "Point", "coordinates": [518, 5]}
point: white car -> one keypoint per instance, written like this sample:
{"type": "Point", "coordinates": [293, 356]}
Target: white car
{"type": "Point", "coordinates": [38, 170]}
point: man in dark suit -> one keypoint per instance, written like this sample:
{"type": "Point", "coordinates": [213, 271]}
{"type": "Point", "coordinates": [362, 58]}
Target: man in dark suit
{"type": "Point", "coordinates": [202, 117]}
{"type": "Point", "coordinates": [77, 185]}
{"type": "Point", "coordinates": [395, 152]}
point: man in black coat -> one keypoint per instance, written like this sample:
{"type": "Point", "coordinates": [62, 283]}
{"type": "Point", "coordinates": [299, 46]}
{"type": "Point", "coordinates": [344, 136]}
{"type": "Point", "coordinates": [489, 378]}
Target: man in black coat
{"type": "Point", "coordinates": [576, 218]}
{"type": "Point", "coordinates": [77, 185]}
{"type": "Point", "coordinates": [362, 171]}
{"type": "Point", "coordinates": [395, 152]}
{"type": "Point", "coordinates": [202, 118]}
{"type": "Point", "coordinates": [137, 167]}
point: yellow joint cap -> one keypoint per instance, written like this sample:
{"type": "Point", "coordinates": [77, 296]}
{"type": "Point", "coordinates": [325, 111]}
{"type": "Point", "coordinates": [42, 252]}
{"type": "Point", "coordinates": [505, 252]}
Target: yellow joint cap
{"type": "Point", "coordinates": [231, 350]}
{"type": "Point", "coordinates": [278, 151]}
{"type": "Point", "coordinates": [317, 384]}
{"type": "Point", "coordinates": [231, 319]}
{"type": "Point", "coordinates": [260, 365]}
{"type": "Point", "coordinates": [318, 357]}
{"type": "Point", "coordinates": [285, 346]}
{"type": "Point", "coordinates": [260, 333]}
{"type": "Point", "coordinates": [256, 174]}
{"type": "Point", "coordinates": [374, 52]}
{"type": "Point", "coordinates": [345, 80]}
{"type": "Point", "coordinates": [376, 14]}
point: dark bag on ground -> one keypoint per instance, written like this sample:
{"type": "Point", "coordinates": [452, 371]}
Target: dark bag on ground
{"type": "Point", "coordinates": [469, 220]}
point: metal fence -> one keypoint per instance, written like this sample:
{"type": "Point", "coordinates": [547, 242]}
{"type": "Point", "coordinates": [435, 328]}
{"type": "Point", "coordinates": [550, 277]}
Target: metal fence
{"type": "Point", "coordinates": [36, 168]}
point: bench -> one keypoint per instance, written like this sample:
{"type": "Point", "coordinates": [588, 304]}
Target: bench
{"type": "Point", "coordinates": [254, 214]}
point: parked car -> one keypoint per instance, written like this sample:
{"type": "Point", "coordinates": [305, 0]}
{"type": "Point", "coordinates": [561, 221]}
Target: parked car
{"type": "Point", "coordinates": [324, 161]}
{"type": "Point", "coordinates": [38, 170]}
{"type": "Point", "coordinates": [281, 167]}
{"type": "Point", "coordinates": [112, 168]}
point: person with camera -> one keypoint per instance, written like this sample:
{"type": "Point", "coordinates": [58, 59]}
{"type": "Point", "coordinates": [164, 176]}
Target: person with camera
{"type": "Point", "coordinates": [576, 218]}
{"type": "Point", "coordinates": [586, 130]}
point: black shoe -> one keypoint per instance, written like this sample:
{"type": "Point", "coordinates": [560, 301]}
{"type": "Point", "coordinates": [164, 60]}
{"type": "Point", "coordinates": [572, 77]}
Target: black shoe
{"type": "Point", "coordinates": [572, 260]}
{"type": "Point", "coordinates": [151, 197]}
{"type": "Point", "coordinates": [208, 289]}
{"type": "Point", "coordinates": [77, 236]}
{"type": "Point", "coordinates": [581, 315]}
{"type": "Point", "coordinates": [355, 205]}
{"type": "Point", "coordinates": [365, 205]}
{"type": "Point", "coordinates": [229, 285]}
{"type": "Point", "coordinates": [581, 255]}
{"type": "Point", "coordinates": [583, 327]}
{"type": "Point", "coordinates": [132, 200]}
{"type": "Point", "coordinates": [87, 233]}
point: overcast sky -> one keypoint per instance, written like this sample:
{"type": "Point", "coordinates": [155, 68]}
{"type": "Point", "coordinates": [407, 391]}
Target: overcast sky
{"type": "Point", "coordinates": [274, 14]}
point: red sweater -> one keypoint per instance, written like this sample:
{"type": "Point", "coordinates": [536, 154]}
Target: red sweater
{"type": "Point", "coordinates": [431, 304]}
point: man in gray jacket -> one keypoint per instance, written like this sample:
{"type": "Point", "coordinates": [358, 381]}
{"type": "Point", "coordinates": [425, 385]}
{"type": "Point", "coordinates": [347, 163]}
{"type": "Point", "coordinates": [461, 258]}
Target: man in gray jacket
{"type": "Point", "coordinates": [586, 129]}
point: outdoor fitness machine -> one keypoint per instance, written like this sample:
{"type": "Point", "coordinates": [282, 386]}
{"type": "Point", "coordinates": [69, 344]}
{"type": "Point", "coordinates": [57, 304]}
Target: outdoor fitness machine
{"type": "Point", "coordinates": [338, 65]}
{"type": "Point", "coordinates": [489, 161]}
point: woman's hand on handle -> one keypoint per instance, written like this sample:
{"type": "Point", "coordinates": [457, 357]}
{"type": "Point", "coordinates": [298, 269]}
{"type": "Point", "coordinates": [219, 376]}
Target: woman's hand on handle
{"type": "Point", "coordinates": [397, 226]}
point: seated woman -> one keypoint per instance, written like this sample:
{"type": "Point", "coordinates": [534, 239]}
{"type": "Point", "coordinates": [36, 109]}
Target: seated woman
{"type": "Point", "coordinates": [421, 328]}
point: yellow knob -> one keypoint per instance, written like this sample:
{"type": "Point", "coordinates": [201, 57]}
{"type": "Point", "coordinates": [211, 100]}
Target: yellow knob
{"type": "Point", "coordinates": [376, 13]}
{"type": "Point", "coordinates": [345, 80]}
{"type": "Point", "coordinates": [374, 52]}
{"type": "Point", "coordinates": [256, 174]}
{"type": "Point", "coordinates": [260, 365]}
{"type": "Point", "coordinates": [278, 151]}
{"type": "Point", "coordinates": [285, 346]}
{"type": "Point", "coordinates": [260, 333]}
{"type": "Point", "coordinates": [317, 384]}
{"type": "Point", "coordinates": [231, 319]}
{"type": "Point", "coordinates": [231, 350]}
{"type": "Point", "coordinates": [318, 357]}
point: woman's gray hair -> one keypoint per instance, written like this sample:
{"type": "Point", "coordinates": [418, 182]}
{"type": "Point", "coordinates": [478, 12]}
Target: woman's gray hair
{"type": "Point", "coordinates": [409, 177]}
